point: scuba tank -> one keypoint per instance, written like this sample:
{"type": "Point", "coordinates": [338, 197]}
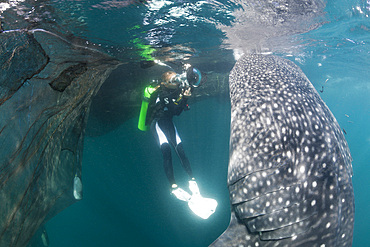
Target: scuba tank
{"type": "Point", "coordinates": [148, 91]}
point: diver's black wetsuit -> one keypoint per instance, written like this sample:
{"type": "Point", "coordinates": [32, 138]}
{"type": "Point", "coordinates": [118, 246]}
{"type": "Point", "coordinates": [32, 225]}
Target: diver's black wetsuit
{"type": "Point", "coordinates": [168, 104]}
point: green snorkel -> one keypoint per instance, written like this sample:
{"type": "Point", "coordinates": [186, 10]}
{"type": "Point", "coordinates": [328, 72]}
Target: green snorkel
{"type": "Point", "coordinates": [148, 91]}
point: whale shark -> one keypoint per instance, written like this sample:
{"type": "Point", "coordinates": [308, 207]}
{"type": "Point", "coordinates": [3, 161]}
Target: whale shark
{"type": "Point", "coordinates": [290, 168]}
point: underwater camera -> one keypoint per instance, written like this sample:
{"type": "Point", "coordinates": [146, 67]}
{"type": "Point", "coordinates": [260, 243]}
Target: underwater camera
{"type": "Point", "coordinates": [193, 76]}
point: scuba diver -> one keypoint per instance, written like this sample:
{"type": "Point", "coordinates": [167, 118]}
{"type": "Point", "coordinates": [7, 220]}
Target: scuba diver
{"type": "Point", "coordinates": [162, 101]}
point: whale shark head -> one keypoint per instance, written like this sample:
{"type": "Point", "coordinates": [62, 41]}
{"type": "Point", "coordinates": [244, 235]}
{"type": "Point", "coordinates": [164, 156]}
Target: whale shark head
{"type": "Point", "coordinates": [289, 174]}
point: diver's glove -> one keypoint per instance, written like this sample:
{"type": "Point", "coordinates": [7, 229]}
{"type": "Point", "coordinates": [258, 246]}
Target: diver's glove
{"type": "Point", "coordinates": [187, 92]}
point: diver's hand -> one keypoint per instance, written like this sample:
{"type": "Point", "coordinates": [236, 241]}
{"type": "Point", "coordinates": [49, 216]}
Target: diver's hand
{"type": "Point", "coordinates": [187, 92]}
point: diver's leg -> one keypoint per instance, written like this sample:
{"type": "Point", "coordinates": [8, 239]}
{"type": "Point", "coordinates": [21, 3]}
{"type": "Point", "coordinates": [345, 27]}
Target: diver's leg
{"type": "Point", "coordinates": [193, 186]}
{"type": "Point", "coordinates": [184, 160]}
{"type": "Point", "coordinates": [167, 163]}
{"type": "Point", "coordinates": [166, 151]}
{"type": "Point", "coordinates": [181, 153]}
{"type": "Point", "coordinates": [164, 130]}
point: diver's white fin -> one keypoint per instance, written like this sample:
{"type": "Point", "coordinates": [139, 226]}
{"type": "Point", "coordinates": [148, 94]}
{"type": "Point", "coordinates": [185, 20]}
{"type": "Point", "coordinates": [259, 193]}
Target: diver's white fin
{"type": "Point", "coordinates": [203, 207]}
{"type": "Point", "coordinates": [181, 194]}
{"type": "Point", "coordinates": [193, 186]}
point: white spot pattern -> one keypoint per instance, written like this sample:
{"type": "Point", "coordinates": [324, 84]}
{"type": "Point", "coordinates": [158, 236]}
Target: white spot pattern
{"type": "Point", "coordinates": [290, 167]}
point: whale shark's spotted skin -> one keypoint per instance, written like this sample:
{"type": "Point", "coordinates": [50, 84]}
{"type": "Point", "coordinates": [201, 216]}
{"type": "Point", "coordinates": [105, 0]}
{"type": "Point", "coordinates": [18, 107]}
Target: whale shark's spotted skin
{"type": "Point", "coordinates": [290, 167]}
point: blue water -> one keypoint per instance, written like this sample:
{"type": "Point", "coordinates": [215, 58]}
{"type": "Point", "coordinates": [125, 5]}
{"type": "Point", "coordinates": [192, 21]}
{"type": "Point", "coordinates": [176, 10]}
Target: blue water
{"type": "Point", "coordinates": [127, 201]}
{"type": "Point", "coordinates": [126, 198]}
